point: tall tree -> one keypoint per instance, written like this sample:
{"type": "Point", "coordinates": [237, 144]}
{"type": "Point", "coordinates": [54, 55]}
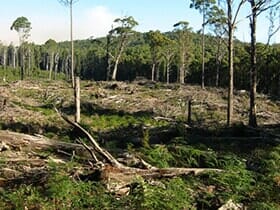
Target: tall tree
{"type": "Point", "coordinates": [156, 41]}
{"type": "Point", "coordinates": [51, 48]}
{"type": "Point", "coordinates": [217, 21]}
{"type": "Point", "coordinates": [257, 7]}
{"type": "Point", "coordinates": [70, 3]}
{"type": "Point", "coordinates": [232, 11]}
{"type": "Point", "coordinates": [23, 27]}
{"type": "Point", "coordinates": [204, 6]}
{"type": "Point", "coordinates": [168, 53]}
{"type": "Point", "coordinates": [182, 31]}
{"type": "Point", "coordinates": [121, 33]}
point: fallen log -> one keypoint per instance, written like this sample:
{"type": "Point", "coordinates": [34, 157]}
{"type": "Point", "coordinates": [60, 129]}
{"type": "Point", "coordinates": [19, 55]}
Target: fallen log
{"type": "Point", "coordinates": [20, 141]}
{"type": "Point", "coordinates": [117, 175]}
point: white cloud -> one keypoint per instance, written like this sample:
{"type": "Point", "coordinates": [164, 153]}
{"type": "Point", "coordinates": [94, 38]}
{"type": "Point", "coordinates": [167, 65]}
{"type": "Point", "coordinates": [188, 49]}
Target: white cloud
{"type": "Point", "coordinates": [94, 22]}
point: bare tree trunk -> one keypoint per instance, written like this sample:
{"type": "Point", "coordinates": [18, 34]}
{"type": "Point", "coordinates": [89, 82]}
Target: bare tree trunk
{"type": "Point", "coordinates": [108, 58]}
{"type": "Point", "coordinates": [14, 57]}
{"type": "Point", "coordinates": [203, 49]}
{"type": "Point", "coordinates": [114, 75]}
{"type": "Point", "coordinates": [51, 65]}
{"type": "Point", "coordinates": [253, 72]}
{"type": "Point", "coordinates": [72, 45]}
{"type": "Point", "coordinates": [153, 71]}
{"type": "Point", "coordinates": [230, 62]}
{"type": "Point", "coordinates": [29, 61]}
{"type": "Point", "coordinates": [4, 57]}
{"type": "Point", "coordinates": [182, 67]}
{"type": "Point", "coordinates": [167, 71]}
{"type": "Point", "coordinates": [218, 62]}
{"type": "Point", "coordinates": [22, 72]}
{"type": "Point", "coordinates": [77, 100]}
{"type": "Point", "coordinates": [56, 59]}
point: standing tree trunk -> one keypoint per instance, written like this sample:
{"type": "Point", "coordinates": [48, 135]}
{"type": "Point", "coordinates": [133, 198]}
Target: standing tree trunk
{"type": "Point", "coordinates": [14, 57]}
{"type": "Point", "coordinates": [51, 65]}
{"type": "Point", "coordinates": [203, 49]}
{"type": "Point", "coordinates": [167, 71]}
{"type": "Point", "coordinates": [72, 45]}
{"type": "Point", "coordinates": [29, 61]}
{"type": "Point", "coordinates": [230, 62]}
{"type": "Point", "coordinates": [77, 100]}
{"type": "Point", "coordinates": [182, 67]}
{"type": "Point", "coordinates": [153, 71]}
{"type": "Point", "coordinates": [56, 60]}
{"type": "Point", "coordinates": [122, 44]}
{"type": "Point", "coordinates": [22, 64]}
{"type": "Point", "coordinates": [219, 58]}
{"type": "Point", "coordinates": [4, 63]}
{"type": "Point", "coordinates": [4, 57]}
{"type": "Point", "coordinates": [253, 71]}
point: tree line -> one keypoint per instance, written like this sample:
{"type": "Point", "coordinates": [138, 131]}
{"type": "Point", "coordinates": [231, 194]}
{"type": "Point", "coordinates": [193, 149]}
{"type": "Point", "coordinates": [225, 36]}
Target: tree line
{"type": "Point", "coordinates": [166, 57]}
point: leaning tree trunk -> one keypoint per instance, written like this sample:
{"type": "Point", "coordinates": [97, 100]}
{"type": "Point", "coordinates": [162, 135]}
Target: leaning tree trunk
{"type": "Point", "coordinates": [253, 71]}
{"type": "Point", "coordinates": [114, 75]}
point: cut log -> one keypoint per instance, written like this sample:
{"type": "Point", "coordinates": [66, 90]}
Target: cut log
{"type": "Point", "coordinates": [117, 176]}
{"type": "Point", "coordinates": [21, 141]}
{"type": "Point", "coordinates": [105, 154]}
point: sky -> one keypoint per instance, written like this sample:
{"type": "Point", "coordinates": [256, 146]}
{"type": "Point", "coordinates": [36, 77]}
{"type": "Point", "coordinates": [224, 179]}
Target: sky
{"type": "Point", "coordinates": [94, 18]}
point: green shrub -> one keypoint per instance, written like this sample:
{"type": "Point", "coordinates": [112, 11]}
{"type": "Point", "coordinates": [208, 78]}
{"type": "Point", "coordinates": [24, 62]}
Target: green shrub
{"type": "Point", "coordinates": [175, 194]}
{"type": "Point", "coordinates": [158, 155]}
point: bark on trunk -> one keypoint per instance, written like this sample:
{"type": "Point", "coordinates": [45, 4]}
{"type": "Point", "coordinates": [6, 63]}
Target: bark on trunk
{"type": "Point", "coordinates": [51, 65]}
{"type": "Point", "coordinates": [230, 61]}
{"type": "Point", "coordinates": [203, 49]}
{"type": "Point", "coordinates": [253, 71]}
{"type": "Point", "coordinates": [114, 75]}
{"type": "Point", "coordinates": [77, 100]}
{"type": "Point", "coordinates": [153, 71]}
{"type": "Point", "coordinates": [72, 45]}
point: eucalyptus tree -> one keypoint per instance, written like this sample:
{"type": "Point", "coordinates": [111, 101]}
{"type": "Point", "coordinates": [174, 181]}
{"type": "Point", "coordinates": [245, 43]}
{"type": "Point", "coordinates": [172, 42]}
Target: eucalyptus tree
{"type": "Point", "coordinates": [121, 33]}
{"type": "Point", "coordinates": [70, 3]}
{"type": "Point", "coordinates": [182, 31]}
{"type": "Point", "coordinates": [217, 21]}
{"type": "Point", "coordinates": [155, 40]}
{"type": "Point", "coordinates": [231, 9]}
{"type": "Point", "coordinates": [168, 53]}
{"type": "Point", "coordinates": [204, 7]}
{"type": "Point", "coordinates": [11, 55]}
{"type": "Point", "coordinates": [257, 8]}
{"type": "Point", "coordinates": [51, 56]}
{"type": "Point", "coordinates": [3, 55]}
{"type": "Point", "coordinates": [23, 27]}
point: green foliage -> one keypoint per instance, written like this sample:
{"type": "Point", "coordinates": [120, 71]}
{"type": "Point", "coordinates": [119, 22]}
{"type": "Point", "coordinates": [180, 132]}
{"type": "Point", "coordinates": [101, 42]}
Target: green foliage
{"type": "Point", "coordinates": [173, 194]}
{"type": "Point", "coordinates": [24, 196]}
{"type": "Point", "coordinates": [159, 156]}
{"type": "Point", "coordinates": [263, 206]}
{"type": "Point", "coordinates": [188, 156]}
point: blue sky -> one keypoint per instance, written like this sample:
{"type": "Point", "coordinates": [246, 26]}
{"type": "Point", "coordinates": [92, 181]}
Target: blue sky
{"type": "Point", "coordinates": [50, 19]}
